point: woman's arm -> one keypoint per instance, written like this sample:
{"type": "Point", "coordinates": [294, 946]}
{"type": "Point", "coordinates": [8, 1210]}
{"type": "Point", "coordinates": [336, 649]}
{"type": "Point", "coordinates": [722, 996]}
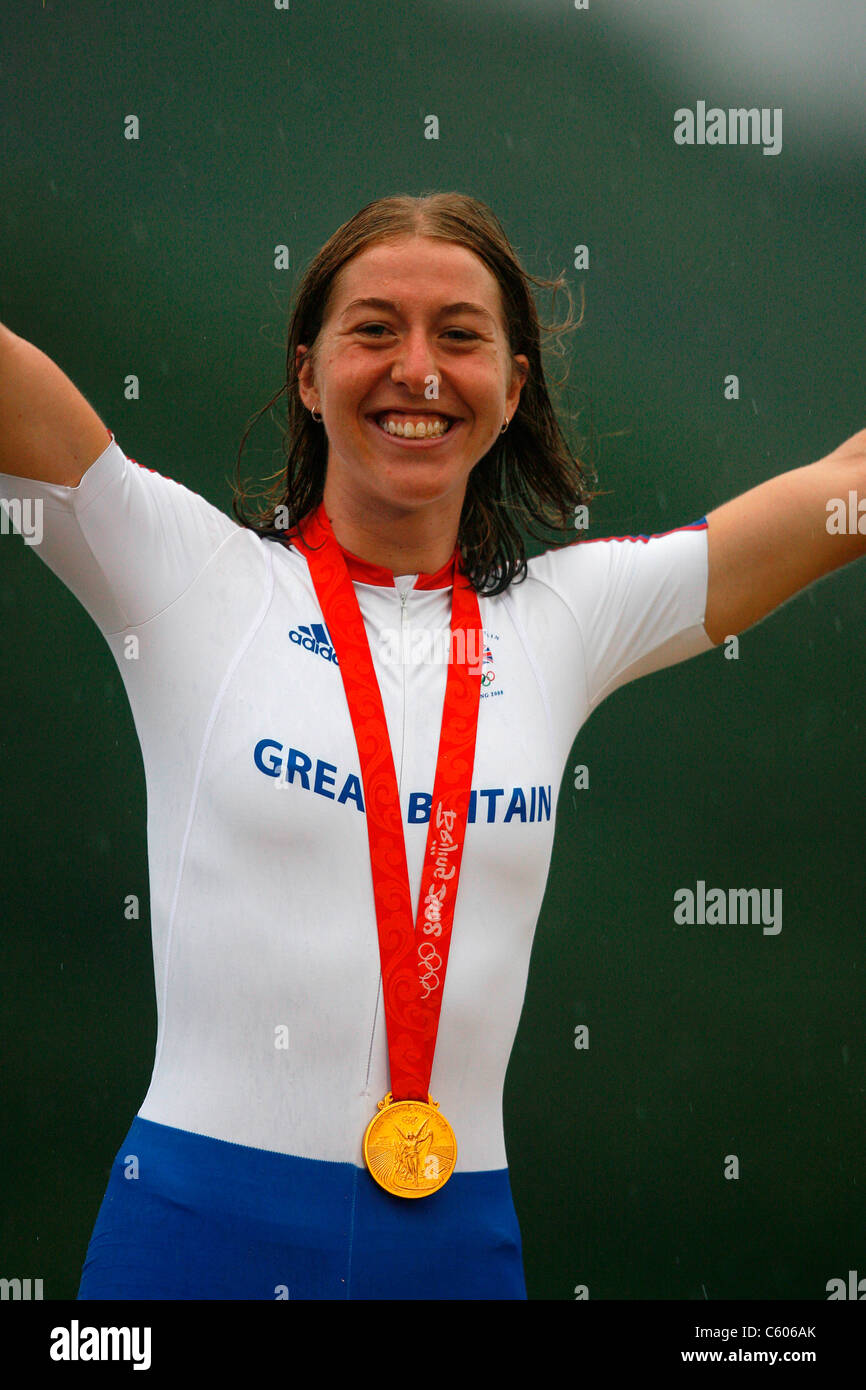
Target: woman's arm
{"type": "Point", "coordinates": [781, 536]}
{"type": "Point", "coordinates": [47, 429]}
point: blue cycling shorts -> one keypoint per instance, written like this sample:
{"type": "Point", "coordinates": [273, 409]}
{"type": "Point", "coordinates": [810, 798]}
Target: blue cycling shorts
{"type": "Point", "coordinates": [190, 1217]}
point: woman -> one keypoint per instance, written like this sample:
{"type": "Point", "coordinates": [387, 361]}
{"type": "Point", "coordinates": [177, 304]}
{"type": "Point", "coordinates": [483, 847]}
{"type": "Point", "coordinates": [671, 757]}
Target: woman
{"type": "Point", "coordinates": [306, 827]}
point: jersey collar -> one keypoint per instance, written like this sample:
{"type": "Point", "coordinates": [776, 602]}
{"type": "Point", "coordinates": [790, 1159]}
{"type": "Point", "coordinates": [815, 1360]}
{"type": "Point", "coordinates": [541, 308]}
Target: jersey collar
{"type": "Point", "coordinates": [364, 572]}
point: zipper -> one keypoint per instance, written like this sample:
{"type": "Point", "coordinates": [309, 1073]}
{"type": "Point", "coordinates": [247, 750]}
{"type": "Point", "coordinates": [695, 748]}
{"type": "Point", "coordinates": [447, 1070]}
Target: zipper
{"type": "Point", "coordinates": [404, 630]}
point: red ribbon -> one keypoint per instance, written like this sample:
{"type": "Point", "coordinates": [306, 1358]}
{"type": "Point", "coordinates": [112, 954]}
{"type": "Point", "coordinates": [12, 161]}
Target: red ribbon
{"type": "Point", "coordinates": [414, 957]}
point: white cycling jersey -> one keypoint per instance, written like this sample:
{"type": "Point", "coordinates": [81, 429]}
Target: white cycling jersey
{"type": "Point", "coordinates": [271, 1030]}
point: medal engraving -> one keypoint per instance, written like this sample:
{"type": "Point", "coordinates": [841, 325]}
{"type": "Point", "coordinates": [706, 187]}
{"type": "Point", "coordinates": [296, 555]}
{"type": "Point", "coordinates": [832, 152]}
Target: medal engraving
{"type": "Point", "coordinates": [409, 1148]}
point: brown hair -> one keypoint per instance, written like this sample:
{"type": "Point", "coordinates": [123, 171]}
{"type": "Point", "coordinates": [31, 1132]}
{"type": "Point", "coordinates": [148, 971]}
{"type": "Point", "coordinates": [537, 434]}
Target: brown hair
{"type": "Point", "coordinates": [528, 475]}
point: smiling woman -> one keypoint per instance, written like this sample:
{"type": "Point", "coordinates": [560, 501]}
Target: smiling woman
{"type": "Point", "coordinates": [348, 842]}
{"type": "Point", "coordinates": [417, 308]}
{"type": "Point", "coordinates": [473, 377]}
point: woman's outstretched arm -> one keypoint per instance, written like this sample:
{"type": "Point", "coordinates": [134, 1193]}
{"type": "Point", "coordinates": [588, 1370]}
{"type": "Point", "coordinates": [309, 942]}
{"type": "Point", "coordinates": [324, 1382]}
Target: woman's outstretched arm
{"type": "Point", "coordinates": [771, 542]}
{"type": "Point", "coordinates": [47, 429]}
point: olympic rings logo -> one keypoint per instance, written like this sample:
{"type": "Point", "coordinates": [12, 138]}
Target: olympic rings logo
{"type": "Point", "coordinates": [488, 677]}
{"type": "Point", "coordinates": [432, 961]}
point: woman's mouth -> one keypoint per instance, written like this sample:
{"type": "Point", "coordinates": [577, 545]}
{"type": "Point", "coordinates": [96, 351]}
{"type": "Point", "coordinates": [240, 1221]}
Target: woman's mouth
{"type": "Point", "coordinates": [402, 427]}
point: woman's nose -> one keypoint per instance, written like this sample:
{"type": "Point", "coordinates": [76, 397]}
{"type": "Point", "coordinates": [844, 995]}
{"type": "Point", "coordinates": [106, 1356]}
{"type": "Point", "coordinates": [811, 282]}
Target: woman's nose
{"type": "Point", "coordinates": [415, 362]}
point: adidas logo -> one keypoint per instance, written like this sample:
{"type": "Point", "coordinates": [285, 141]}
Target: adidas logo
{"type": "Point", "coordinates": [314, 638]}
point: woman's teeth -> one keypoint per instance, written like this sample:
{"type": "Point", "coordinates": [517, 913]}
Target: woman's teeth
{"type": "Point", "coordinates": [414, 429]}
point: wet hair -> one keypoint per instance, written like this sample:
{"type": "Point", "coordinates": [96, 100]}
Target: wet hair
{"type": "Point", "coordinates": [528, 477]}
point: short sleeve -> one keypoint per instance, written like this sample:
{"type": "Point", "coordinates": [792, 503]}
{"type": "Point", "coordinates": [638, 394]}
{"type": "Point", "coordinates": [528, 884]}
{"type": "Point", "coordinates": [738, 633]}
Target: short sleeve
{"type": "Point", "coordinates": [638, 602]}
{"type": "Point", "coordinates": [126, 541]}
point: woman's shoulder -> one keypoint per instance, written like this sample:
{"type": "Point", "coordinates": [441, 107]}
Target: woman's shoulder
{"type": "Point", "coordinates": [590, 572]}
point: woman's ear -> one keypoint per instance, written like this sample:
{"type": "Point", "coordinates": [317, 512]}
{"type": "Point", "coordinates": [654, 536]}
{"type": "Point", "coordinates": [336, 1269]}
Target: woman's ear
{"type": "Point", "coordinates": [519, 373]}
{"type": "Point", "coordinates": [304, 372]}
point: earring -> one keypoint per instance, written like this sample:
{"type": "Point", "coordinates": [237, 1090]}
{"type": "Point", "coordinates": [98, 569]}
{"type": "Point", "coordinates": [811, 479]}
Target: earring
{"type": "Point", "coordinates": [505, 426]}
{"type": "Point", "coordinates": [316, 417]}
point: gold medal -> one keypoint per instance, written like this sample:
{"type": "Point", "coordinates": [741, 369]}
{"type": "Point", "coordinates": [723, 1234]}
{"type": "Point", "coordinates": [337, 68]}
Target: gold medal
{"type": "Point", "coordinates": [409, 1148]}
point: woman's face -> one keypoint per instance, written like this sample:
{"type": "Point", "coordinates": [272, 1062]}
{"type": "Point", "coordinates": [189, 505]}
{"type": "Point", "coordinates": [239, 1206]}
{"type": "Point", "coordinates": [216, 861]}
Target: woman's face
{"type": "Point", "coordinates": [433, 347]}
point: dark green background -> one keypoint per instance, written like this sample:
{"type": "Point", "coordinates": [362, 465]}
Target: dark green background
{"type": "Point", "coordinates": [156, 257]}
